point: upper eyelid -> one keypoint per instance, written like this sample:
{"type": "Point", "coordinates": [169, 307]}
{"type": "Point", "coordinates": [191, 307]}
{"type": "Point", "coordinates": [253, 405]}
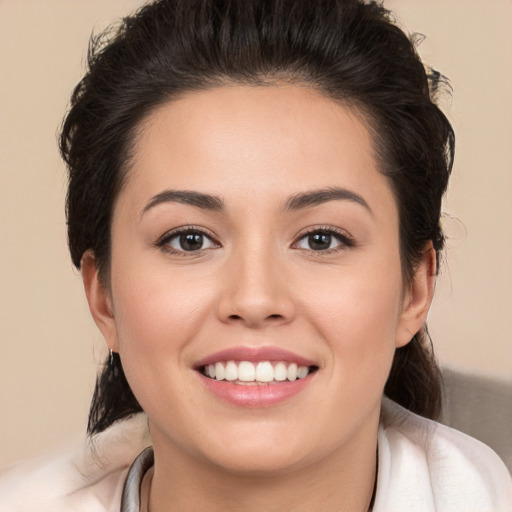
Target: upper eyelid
{"type": "Point", "coordinates": [327, 229]}
{"type": "Point", "coordinates": [344, 238]}
{"type": "Point", "coordinates": [168, 235]}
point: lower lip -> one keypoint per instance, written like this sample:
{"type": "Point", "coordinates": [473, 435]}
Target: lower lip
{"type": "Point", "coordinates": [255, 395]}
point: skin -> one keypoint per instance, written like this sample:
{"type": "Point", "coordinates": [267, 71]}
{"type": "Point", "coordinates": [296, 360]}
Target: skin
{"type": "Point", "coordinates": [258, 283]}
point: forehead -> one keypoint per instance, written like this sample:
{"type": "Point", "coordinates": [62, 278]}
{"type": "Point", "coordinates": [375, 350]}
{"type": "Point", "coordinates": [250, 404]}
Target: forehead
{"type": "Point", "coordinates": [270, 139]}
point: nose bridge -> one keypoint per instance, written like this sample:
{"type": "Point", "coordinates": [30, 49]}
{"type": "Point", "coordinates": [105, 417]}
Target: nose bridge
{"type": "Point", "coordinates": [255, 290]}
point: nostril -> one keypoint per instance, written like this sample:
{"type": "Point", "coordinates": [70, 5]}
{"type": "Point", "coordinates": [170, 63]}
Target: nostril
{"type": "Point", "coordinates": [276, 317]}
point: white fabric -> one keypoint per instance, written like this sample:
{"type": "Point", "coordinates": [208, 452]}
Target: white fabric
{"type": "Point", "coordinates": [86, 477]}
{"type": "Point", "coordinates": [423, 467]}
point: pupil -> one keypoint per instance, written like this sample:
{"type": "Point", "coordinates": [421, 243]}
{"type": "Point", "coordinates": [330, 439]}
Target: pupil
{"type": "Point", "coordinates": [191, 241]}
{"type": "Point", "coordinates": [320, 241]}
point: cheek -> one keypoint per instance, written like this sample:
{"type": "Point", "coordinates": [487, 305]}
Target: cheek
{"type": "Point", "coordinates": [155, 321]}
{"type": "Point", "coordinates": [157, 313]}
{"type": "Point", "coordinates": [358, 313]}
{"type": "Point", "coordinates": [154, 306]}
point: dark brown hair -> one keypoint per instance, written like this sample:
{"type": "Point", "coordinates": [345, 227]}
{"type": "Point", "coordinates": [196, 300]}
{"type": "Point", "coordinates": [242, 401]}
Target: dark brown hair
{"type": "Point", "coordinates": [349, 50]}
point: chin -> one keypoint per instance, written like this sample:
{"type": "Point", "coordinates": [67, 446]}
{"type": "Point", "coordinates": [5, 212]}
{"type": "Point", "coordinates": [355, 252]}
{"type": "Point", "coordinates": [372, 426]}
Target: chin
{"type": "Point", "coordinates": [260, 463]}
{"type": "Point", "coordinates": [265, 451]}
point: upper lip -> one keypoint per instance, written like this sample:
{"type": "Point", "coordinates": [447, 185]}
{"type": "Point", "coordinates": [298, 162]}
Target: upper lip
{"type": "Point", "coordinates": [254, 354]}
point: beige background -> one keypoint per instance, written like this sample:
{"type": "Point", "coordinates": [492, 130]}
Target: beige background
{"type": "Point", "coordinates": [50, 349]}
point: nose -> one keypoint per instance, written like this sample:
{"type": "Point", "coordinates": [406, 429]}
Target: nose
{"type": "Point", "coordinates": [255, 291]}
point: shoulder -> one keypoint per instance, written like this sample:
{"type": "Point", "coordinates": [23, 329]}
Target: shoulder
{"type": "Point", "coordinates": [425, 466]}
{"type": "Point", "coordinates": [86, 476]}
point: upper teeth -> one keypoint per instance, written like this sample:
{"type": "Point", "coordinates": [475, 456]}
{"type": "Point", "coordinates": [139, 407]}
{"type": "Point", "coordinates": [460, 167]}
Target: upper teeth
{"type": "Point", "coordinates": [264, 371]}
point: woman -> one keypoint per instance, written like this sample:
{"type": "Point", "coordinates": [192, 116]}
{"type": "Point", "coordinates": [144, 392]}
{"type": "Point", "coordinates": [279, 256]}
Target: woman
{"type": "Point", "coordinates": [254, 202]}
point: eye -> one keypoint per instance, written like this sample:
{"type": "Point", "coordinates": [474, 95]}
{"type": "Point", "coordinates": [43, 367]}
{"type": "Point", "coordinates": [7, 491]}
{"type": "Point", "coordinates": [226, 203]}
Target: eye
{"type": "Point", "coordinates": [323, 240]}
{"type": "Point", "coordinates": [187, 240]}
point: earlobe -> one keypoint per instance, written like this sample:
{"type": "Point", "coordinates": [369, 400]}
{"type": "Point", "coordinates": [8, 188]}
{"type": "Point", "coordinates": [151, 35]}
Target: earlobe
{"type": "Point", "coordinates": [99, 300]}
{"type": "Point", "coordinates": [418, 297]}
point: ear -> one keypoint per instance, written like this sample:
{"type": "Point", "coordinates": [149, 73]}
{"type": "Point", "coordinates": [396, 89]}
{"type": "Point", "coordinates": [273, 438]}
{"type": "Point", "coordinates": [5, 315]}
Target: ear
{"type": "Point", "coordinates": [417, 297]}
{"type": "Point", "coordinates": [100, 301]}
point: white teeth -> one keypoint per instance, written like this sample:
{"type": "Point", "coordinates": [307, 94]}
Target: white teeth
{"type": "Point", "coordinates": [220, 372]}
{"type": "Point", "coordinates": [231, 371]}
{"type": "Point", "coordinates": [246, 372]}
{"type": "Point", "coordinates": [264, 371]}
{"type": "Point", "coordinates": [291, 373]}
{"type": "Point", "coordinates": [302, 372]}
{"type": "Point", "coordinates": [280, 372]}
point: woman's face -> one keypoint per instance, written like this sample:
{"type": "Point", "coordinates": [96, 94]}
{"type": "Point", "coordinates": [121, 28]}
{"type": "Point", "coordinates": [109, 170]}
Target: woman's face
{"type": "Point", "coordinates": [255, 228]}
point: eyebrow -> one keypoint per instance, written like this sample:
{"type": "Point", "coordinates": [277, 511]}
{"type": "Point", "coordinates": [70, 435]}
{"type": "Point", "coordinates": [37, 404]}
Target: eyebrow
{"type": "Point", "coordinates": [295, 202]}
{"type": "Point", "coordinates": [318, 197]}
{"type": "Point", "coordinates": [198, 199]}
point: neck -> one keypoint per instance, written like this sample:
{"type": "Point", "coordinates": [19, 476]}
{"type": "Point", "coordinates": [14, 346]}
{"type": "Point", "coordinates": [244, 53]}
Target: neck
{"type": "Point", "coordinates": [342, 481]}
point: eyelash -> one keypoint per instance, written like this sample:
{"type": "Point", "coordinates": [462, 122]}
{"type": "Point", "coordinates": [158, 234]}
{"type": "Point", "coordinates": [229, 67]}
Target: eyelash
{"type": "Point", "coordinates": [344, 239]}
{"type": "Point", "coordinates": [164, 241]}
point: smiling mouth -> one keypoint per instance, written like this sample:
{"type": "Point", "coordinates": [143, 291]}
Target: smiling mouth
{"type": "Point", "coordinates": [259, 373]}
